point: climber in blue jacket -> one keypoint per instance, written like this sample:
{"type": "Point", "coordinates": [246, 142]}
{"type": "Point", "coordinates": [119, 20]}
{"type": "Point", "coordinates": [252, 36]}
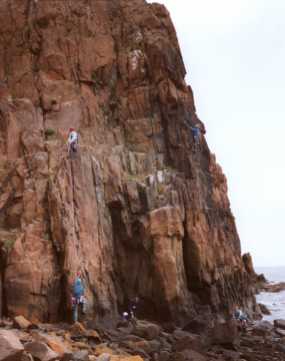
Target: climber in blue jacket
{"type": "Point", "coordinates": [77, 296]}
{"type": "Point", "coordinates": [196, 132]}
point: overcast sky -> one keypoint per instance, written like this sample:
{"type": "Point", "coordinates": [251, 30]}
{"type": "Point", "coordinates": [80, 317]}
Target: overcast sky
{"type": "Point", "coordinates": [234, 53]}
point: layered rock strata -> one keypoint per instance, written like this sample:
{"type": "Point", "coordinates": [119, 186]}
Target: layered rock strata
{"type": "Point", "coordinates": [138, 211]}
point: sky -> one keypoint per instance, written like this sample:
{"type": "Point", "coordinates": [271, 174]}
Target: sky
{"type": "Point", "coordinates": [234, 53]}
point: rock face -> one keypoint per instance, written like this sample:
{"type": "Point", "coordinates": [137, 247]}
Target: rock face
{"type": "Point", "coordinates": [138, 211]}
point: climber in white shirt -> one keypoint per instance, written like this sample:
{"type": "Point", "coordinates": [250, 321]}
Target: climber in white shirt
{"type": "Point", "coordinates": [72, 141]}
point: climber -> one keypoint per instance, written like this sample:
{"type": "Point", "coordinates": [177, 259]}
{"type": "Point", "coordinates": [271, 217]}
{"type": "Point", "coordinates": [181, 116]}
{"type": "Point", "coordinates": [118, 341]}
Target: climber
{"type": "Point", "coordinates": [72, 141]}
{"type": "Point", "coordinates": [133, 305]}
{"type": "Point", "coordinates": [196, 132]}
{"type": "Point", "coordinates": [78, 299]}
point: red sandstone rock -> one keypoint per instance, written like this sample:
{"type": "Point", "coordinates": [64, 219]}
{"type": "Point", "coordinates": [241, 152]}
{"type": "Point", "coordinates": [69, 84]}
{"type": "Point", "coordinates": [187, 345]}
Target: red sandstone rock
{"type": "Point", "coordinates": [137, 211]}
{"type": "Point", "coordinates": [41, 351]}
{"type": "Point", "coordinates": [21, 322]}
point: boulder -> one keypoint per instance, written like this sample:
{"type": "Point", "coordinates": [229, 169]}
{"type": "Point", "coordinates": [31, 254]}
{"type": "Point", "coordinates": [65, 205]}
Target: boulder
{"type": "Point", "coordinates": [55, 343]}
{"type": "Point", "coordinates": [262, 328]}
{"type": "Point", "coordinates": [93, 335]}
{"type": "Point", "coordinates": [230, 355]}
{"type": "Point", "coordinates": [225, 334]}
{"type": "Point", "coordinates": [264, 309]}
{"type": "Point", "coordinates": [126, 358]}
{"type": "Point", "coordinates": [27, 357]}
{"type": "Point", "coordinates": [22, 323]}
{"type": "Point", "coordinates": [77, 329]}
{"type": "Point", "coordinates": [11, 348]}
{"type": "Point", "coordinates": [280, 332]}
{"type": "Point", "coordinates": [103, 349]}
{"type": "Point", "coordinates": [80, 356]}
{"type": "Point", "coordinates": [188, 355]}
{"type": "Point", "coordinates": [41, 351]}
{"type": "Point", "coordinates": [279, 324]}
{"type": "Point", "coordinates": [164, 356]}
{"type": "Point", "coordinates": [184, 340]}
{"type": "Point", "coordinates": [61, 349]}
{"type": "Point", "coordinates": [147, 330]}
{"type": "Point", "coordinates": [274, 287]}
{"type": "Point", "coordinates": [104, 357]}
{"type": "Point", "coordinates": [198, 325]}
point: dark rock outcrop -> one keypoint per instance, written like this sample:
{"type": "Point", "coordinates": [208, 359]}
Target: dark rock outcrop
{"type": "Point", "coordinates": [138, 211]}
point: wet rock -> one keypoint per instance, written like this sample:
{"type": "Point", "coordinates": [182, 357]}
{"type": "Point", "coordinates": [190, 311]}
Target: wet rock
{"type": "Point", "coordinates": [274, 287]}
{"type": "Point", "coordinates": [264, 309]}
{"type": "Point", "coordinates": [41, 351]}
{"type": "Point", "coordinates": [279, 324]}
{"type": "Point", "coordinates": [11, 348]}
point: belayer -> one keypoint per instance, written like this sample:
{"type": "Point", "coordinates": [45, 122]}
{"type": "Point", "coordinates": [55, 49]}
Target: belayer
{"type": "Point", "coordinates": [78, 299]}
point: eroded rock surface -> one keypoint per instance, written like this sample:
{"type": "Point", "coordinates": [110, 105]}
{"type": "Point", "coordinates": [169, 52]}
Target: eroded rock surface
{"type": "Point", "coordinates": [138, 211]}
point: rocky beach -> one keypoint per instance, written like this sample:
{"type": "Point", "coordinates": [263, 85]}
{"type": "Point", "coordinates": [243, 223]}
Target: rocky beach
{"type": "Point", "coordinates": [20, 340]}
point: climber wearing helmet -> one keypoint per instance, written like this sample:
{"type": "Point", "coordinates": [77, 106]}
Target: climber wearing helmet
{"type": "Point", "coordinates": [72, 142]}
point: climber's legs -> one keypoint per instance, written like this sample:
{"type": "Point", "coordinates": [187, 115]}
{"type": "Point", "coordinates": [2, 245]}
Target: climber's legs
{"type": "Point", "coordinates": [75, 311]}
{"type": "Point", "coordinates": [72, 149]}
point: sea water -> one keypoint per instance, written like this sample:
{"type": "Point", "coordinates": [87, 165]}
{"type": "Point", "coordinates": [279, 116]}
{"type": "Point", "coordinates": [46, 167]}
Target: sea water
{"type": "Point", "coordinates": [274, 301]}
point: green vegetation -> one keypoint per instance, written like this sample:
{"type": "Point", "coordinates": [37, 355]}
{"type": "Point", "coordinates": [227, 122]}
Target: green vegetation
{"type": "Point", "coordinates": [161, 188]}
{"type": "Point", "coordinates": [135, 177]}
{"type": "Point", "coordinates": [49, 132]}
{"type": "Point", "coordinates": [46, 237]}
{"type": "Point", "coordinates": [8, 244]}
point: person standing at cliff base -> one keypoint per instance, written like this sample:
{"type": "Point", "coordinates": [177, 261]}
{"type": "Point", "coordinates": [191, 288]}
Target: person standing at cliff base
{"type": "Point", "coordinates": [77, 297]}
{"type": "Point", "coordinates": [241, 317]}
{"type": "Point", "coordinates": [72, 141]}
